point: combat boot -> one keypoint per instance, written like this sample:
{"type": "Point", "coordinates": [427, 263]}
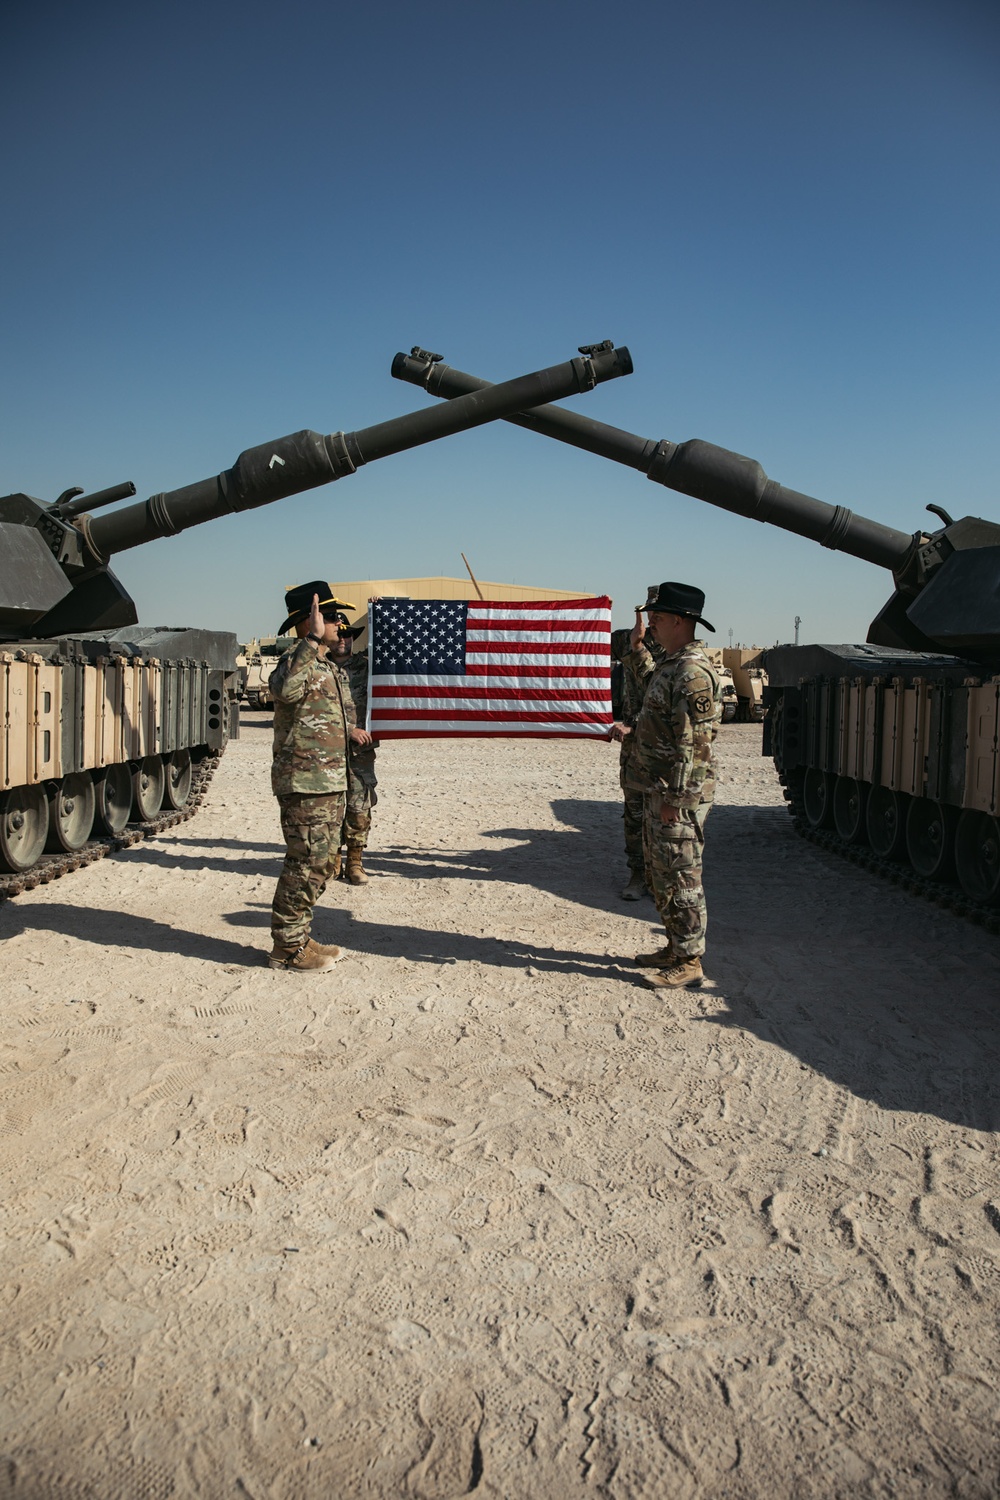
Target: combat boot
{"type": "Point", "coordinates": [328, 950]}
{"type": "Point", "coordinates": [661, 959]}
{"type": "Point", "coordinates": [308, 957]}
{"type": "Point", "coordinates": [683, 974]}
{"type": "Point", "coordinates": [337, 863]}
{"type": "Point", "coordinates": [636, 888]}
{"type": "Point", "coordinates": [355, 874]}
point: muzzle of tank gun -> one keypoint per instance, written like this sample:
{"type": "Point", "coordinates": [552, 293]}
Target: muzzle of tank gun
{"type": "Point", "coordinates": [306, 459]}
{"type": "Point", "coordinates": [419, 367]}
{"type": "Point", "coordinates": [702, 470]}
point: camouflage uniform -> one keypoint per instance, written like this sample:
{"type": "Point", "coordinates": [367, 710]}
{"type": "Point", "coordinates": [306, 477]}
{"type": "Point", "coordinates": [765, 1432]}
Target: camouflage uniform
{"type": "Point", "coordinates": [637, 669]}
{"type": "Point", "coordinates": [677, 725]}
{"type": "Point", "coordinates": [313, 712]}
{"type": "Point", "coordinates": [361, 779]}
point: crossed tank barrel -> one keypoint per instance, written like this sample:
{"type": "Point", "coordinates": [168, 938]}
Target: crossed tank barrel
{"type": "Point", "coordinates": [306, 459]}
{"type": "Point", "coordinates": [696, 468]}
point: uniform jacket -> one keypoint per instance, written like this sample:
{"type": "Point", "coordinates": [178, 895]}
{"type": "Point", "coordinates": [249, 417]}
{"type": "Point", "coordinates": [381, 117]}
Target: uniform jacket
{"type": "Point", "coordinates": [361, 758]}
{"type": "Point", "coordinates": [356, 668]}
{"type": "Point", "coordinates": [313, 711]}
{"type": "Point", "coordinates": [677, 725]}
{"type": "Point", "coordinates": [639, 667]}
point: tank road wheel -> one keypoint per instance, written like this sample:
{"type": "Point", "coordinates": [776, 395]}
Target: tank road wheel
{"type": "Point", "coordinates": [977, 855]}
{"type": "Point", "coordinates": [114, 798]}
{"type": "Point", "coordinates": [24, 827]}
{"type": "Point", "coordinates": [71, 813]}
{"type": "Point", "coordinates": [148, 781]}
{"type": "Point", "coordinates": [849, 798]}
{"type": "Point", "coordinates": [930, 838]}
{"type": "Point", "coordinates": [179, 776]}
{"type": "Point", "coordinates": [817, 798]}
{"type": "Point", "coordinates": [885, 820]}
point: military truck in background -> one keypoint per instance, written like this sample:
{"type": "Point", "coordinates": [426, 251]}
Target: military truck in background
{"type": "Point", "coordinates": [259, 658]}
{"type": "Point", "coordinates": [730, 702]}
{"type": "Point", "coordinates": [746, 665]}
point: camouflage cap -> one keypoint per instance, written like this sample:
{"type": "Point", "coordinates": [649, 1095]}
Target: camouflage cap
{"type": "Point", "coordinates": [677, 599]}
{"type": "Point", "coordinates": [298, 602]}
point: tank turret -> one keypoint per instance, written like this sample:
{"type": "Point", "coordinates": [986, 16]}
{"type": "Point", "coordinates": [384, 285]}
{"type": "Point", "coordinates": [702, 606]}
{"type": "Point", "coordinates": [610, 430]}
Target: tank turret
{"type": "Point", "coordinates": [889, 751]}
{"type": "Point", "coordinates": [110, 731]}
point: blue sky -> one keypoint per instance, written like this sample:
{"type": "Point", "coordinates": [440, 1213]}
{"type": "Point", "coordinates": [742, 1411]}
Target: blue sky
{"type": "Point", "coordinates": [222, 220]}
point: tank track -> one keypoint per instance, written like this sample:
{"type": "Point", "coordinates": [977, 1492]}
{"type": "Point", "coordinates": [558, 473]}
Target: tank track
{"type": "Point", "coordinates": [53, 866]}
{"type": "Point", "coordinates": [898, 873]}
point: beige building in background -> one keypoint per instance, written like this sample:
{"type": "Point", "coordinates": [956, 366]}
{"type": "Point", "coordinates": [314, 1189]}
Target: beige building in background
{"type": "Point", "coordinates": [361, 590]}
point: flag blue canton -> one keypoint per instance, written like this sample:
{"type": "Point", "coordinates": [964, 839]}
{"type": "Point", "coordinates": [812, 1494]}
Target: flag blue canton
{"type": "Point", "coordinates": [414, 636]}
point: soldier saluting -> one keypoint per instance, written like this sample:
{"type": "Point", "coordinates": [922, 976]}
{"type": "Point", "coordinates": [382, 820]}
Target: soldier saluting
{"type": "Point", "coordinates": [674, 758]}
{"type": "Point", "coordinates": [314, 720]}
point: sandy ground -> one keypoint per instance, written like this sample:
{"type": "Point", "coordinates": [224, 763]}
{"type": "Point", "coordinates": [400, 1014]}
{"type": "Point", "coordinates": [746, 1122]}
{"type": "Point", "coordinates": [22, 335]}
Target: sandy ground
{"type": "Point", "coordinates": [476, 1211]}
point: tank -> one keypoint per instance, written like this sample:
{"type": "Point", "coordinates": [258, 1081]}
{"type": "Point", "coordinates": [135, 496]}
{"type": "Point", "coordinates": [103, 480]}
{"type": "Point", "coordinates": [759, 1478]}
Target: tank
{"type": "Point", "coordinates": [109, 730]}
{"type": "Point", "coordinates": [889, 751]}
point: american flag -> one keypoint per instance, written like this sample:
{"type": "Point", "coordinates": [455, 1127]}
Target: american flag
{"type": "Point", "coordinates": [451, 668]}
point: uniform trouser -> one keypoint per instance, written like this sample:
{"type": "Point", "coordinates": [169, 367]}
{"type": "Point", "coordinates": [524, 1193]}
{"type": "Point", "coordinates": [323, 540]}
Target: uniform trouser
{"type": "Point", "coordinates": [673, 873]}
{"type": "Point", "coordinates": [311, 826]}
{"type": "Point", "coordinates": [632, 813]}
{"type": "Point", "coordinates": [361, 798]}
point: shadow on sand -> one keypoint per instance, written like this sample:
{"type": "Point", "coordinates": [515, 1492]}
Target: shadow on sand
{"type": "Point", "coordinates": [421, 945]}
{"type": "Point", "coordinates": [890, 999]}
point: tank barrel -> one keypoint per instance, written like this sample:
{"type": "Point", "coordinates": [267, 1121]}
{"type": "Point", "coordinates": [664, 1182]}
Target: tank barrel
{"type": "Point", "coordinates": [306, 459]}
{"type": "Point", "coordinates": [695, 468]}
{"type": "Point", "coordinates": [738, 484]}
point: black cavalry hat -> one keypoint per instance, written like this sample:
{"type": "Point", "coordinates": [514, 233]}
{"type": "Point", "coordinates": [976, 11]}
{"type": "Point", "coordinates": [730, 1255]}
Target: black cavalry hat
{"type": "Point", "coordinates": [298, 604]}
{"type": "Point", "coordinates": [345, 626]}
{"type": "Point", "coordinates": [678, 599]}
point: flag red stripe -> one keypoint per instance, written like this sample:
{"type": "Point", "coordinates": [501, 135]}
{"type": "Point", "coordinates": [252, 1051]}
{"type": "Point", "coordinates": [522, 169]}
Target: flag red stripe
{"type": "Point", "coordinates": [546, 606]}
{"type": "Point", "coordinates": [597, 695]}
{"type": "Point", "coordinates": [485, 716]}
{"type": "Point", "coordinates": [475, 734]}
{"type": "Point", "coordinates": [473, 669]}
{"type": "Point", "coordinates": [603, 626]}
{"type": "Point", "coordinates": [521, 648]}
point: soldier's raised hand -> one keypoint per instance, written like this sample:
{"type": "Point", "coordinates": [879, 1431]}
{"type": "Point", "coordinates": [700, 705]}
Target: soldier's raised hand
{"type": "Point", "coordinates": [638, 629]}
{"type": "Point", "coordinates": [317, 625]}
